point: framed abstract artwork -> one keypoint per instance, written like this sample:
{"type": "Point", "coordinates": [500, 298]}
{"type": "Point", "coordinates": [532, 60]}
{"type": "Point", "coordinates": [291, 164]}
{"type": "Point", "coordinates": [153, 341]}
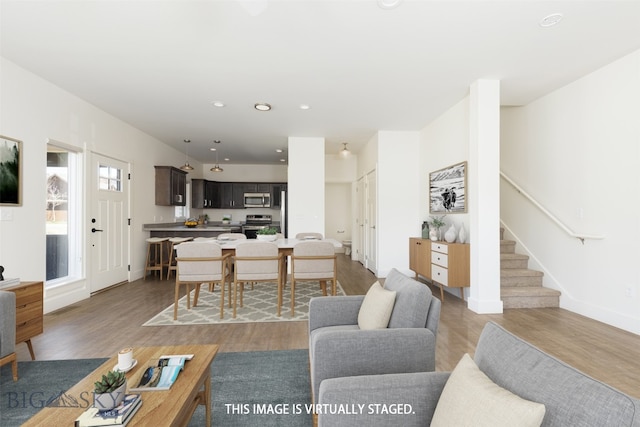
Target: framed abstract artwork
{"type": "Point", "coordinates": [10, 171]}
{"type": "Point", "coordinates": [448, 190]}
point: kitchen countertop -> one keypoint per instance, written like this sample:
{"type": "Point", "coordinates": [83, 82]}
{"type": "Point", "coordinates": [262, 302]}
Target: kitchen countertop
{"type": "Point", "coordinates": [212, 226]}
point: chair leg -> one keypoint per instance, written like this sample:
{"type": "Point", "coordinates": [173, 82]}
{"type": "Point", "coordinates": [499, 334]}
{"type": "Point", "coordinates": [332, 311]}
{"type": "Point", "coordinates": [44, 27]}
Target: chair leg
{"type": "Point", "coordinates": [323, 286]}
{"type": "Point", "coordinates": [235, 297]}
{"type": "Point", "coordinates": [197, 294]}
{"type": "Point", "coordinates": [279, 296]}
{"type": "Point", "coordinates": [175, 302]}
{"type": "Point", "coordinates": [293, 296]}
{"type": "Point", "coordinates": [14, 367]}
{"type": "Point", "coordinates": [222, 285]}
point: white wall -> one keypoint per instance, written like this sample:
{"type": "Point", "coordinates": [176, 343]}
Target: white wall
{"type": "Point", "coordinates": [577, 152]}
{"type": "Point", "coordinates": [34, 110]}
{"type": "Point", "coordinates": [444, 142]}
{"type": "Point", "coordinates": [340, 177]}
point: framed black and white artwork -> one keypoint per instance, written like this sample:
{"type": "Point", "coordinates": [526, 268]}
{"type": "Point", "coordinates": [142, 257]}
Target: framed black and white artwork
{"type": "Point", "coordinates": [10, 171]}
{"type": "Point", "coordinates": [448, 190]}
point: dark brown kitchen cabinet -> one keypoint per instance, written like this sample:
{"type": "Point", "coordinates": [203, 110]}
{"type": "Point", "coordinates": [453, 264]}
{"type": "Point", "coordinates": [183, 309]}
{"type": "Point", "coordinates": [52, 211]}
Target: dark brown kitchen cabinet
{"type": "Point", "coordinates": [204, 194]}
{"type": "Point", "coordinates": [258, 187]}
{"type": "Point", "coordinates": [231, 195]}
{"type": "Point", "coordinates": [171, 186]}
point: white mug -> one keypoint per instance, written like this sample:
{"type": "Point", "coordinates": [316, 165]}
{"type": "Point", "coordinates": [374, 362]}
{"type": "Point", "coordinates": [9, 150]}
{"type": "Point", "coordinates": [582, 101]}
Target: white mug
{"type": "Point", "coordinates": [125, 358]}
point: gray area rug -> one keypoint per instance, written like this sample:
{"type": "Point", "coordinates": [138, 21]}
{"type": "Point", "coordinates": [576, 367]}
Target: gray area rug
{"type": "Point", "coordinates": [248, 389]}
{"type": "Point", "coordinates": [260, 305]}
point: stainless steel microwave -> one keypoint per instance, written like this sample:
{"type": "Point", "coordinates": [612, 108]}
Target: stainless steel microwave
{"type": "Point", "coordinates": [257, 200]}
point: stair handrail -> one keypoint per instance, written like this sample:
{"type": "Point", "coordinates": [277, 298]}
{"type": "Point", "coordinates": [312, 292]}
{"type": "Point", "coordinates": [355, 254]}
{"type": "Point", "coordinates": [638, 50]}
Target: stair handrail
{"type": "Point", "coordinates": [579, 236]}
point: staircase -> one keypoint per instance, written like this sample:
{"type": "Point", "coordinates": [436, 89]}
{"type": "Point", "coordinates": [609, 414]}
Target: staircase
{"type": "Point", "coordinates": [521, 287]}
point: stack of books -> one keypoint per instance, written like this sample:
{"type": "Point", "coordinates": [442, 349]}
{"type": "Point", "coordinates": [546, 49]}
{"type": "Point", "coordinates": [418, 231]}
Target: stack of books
{"type": "Point", "coordinates": [119, 416]}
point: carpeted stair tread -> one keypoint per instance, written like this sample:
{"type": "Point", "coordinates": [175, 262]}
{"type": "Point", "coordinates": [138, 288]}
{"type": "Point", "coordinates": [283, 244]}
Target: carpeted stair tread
{"type": "Point", "coordinates": [520, 272]}
{"type": "Point", "coordinates": [530, 297]}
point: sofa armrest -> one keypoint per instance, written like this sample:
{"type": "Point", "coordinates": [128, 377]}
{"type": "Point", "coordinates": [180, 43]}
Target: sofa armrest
{"type": "Point", "coordinates": [334, 311]}
{"type": "Point", "coordinates": [7, 323]}
{"type": "Point", "coordinates": [347, 353]}
{"type": "Point", "coordinates": [408, 399]}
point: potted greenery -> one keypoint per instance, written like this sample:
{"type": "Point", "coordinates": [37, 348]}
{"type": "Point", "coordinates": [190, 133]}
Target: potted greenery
{"type": "Point", "coordinates": [435, 225]}
{"type": "Point", "coordinates": [267, 234]}
{"type": "Point", "coordinates": [109, 391]}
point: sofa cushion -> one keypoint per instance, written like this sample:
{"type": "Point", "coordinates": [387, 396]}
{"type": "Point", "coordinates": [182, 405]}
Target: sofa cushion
{"type": "Point", "coordinates": [412, 301]}
{"type": "Point", "coordinates": [470, 398]}
{"type": "Point", "coordinates": [376, 308]}
{"type": "Point", "coordinates": [570, 396]}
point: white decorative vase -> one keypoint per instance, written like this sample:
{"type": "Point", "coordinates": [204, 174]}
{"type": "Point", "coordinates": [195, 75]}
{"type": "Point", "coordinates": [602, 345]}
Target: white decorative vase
{"type": "Point", "coordinates": [450, 235]}
{"type": "Point", "coordinates": [433, 234]}
{"type": "Point", "coordinates": [462, 234]}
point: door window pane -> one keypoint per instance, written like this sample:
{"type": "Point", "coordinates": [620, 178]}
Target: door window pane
{"type": "Point", "coordinates": [110, 178]}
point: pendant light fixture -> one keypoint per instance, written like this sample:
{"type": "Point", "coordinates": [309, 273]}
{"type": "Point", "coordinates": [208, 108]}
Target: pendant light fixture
{"type": "Point", "coordinates": [186, 167]}
{"type": "Point", "coordinates": [344, 153]}
{"type": "Point", "coordinates": [217, 167]}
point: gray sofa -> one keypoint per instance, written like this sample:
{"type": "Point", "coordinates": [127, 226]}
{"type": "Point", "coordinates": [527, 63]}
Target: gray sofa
{"type": "Point", "coordinates": [571, 398]}
{"type": "Point", "coordinates": [8, 331]}
{"type": "Point", "coordinates": [338, 348]}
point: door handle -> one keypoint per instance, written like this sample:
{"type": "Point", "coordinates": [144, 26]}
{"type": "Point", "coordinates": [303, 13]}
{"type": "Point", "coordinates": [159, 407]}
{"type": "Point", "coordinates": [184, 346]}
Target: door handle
{"type": "Point", "coordinates": [93, 230]}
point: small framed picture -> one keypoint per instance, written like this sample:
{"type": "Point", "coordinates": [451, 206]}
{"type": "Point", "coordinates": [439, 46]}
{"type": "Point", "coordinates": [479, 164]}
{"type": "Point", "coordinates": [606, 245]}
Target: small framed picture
{"type": "Point", "coordinates": [448, 190]}
{"type": "Point", "coordinates": [10, 171]}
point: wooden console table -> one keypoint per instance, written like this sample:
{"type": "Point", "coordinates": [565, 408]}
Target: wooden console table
{"type": "Point", "coordinates": [441, 262]}
{"type": "Point", "coordinates": [29, 312]}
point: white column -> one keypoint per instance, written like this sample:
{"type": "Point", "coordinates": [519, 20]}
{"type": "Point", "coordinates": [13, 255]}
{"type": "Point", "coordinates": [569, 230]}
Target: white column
{"type": "Point", "coordinates": [484, 196]}
{"type": "Point", "coordinates": [306, 184]}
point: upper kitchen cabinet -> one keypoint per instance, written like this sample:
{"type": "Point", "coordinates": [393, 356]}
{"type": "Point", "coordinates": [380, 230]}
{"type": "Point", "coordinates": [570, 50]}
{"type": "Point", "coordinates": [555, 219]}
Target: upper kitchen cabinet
{"type": "Point", "coordinates": [205, 194]}
{"type": "Point", "coordinates": [231, 195]}
{"type": "Point", "coordinates": [171, 186]}
{"type": "Point", "coordinates": [260, 187]}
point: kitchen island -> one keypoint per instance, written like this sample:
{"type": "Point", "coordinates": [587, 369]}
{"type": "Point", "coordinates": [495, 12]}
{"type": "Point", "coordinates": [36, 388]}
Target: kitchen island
{"type": "Point", "coordinates": [178, 229]}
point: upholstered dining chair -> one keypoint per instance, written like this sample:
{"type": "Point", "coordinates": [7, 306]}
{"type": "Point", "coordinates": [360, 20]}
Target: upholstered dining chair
{"type": "Point", "coordinates": [198, 263]}
{"type": "Point", "coordinates": [8, 332]}
{"type": "Point", "coordinates": [313, 261]}
{"type": "Point", "coordinates": [309, 235]}
{"type": "Point", "coordinates": [257, 261]}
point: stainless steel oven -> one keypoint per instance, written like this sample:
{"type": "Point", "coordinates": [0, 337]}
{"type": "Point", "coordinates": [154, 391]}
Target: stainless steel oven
{"type": "Point", "coordinates": [253, 223]}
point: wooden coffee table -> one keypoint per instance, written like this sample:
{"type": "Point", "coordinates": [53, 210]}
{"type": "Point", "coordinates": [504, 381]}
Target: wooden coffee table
{"type": "Point", "coordinates": [173, 407]}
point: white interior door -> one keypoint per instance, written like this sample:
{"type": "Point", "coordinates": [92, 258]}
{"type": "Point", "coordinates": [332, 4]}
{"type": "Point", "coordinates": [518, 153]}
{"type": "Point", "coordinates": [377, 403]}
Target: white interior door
{"type": "Point", "coordinates": [360, 221]}
{"type": "Point", "coordinates": [109, 217]}
{"type": "Point", "coordinates": [371, 261]}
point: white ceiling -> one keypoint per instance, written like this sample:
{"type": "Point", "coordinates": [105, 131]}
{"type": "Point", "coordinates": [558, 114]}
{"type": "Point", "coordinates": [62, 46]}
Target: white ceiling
{"type": "Point", "coordinates": [158, 65]}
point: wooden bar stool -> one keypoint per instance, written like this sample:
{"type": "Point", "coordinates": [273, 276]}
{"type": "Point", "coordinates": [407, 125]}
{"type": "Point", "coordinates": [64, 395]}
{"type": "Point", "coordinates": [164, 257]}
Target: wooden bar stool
{"type": "Point", "coordinates": [155, 255]}
{"type": "Point", "coordinates": [171, 261]}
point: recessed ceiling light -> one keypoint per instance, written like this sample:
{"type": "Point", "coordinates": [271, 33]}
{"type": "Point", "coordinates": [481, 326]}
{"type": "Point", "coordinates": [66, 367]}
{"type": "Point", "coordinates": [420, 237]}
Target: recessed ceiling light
{"type": "Point", "coordinates": [279, 150]}
{"type": "Point", "coordinates": [551, 20]}
{"type": "Point", "coordinates": [226, 159]}
{"type": "Point", "coordinates": [212, 149]}
{"type": "Point", "coordinates": [283, 160]}
{"type": "Point", "coordinates": [304, 107]}
{"type": "Point", "coordinates": [389, 4]}
{"type": "Point", "coordinates": [218, 104]}
{"type": "Point", "coordinates": [262, 106]}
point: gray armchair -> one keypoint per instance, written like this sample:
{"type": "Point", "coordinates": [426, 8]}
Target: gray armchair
{"type": "Point", "coordinates": [8, 331]}
{"type": "Point", "coordinates": [338, 348]}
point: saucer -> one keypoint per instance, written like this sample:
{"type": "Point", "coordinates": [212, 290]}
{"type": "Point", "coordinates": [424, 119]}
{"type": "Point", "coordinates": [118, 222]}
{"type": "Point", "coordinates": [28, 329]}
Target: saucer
{"type": "Point", "coordinates": [135, 362]}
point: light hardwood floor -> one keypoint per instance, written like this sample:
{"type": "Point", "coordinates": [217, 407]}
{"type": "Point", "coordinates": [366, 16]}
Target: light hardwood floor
{"type": "Point", "coordinates": [111, 320]}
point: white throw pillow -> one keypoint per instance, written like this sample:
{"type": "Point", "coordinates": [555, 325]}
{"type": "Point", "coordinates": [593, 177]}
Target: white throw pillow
{"type": "Point", "coordinates": [376, 308]}
{"type": "Point", "coordinates": [470, 398]}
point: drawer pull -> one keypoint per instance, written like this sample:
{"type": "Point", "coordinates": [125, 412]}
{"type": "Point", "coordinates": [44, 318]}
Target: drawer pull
{"type": "Point", "coordinates": [21, 306]}
{"type": "Point", "coordinates": [21, 324]}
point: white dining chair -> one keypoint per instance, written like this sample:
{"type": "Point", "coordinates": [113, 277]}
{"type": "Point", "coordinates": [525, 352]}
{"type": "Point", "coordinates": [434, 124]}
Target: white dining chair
{"type": "Point", "coordinates": [232, 236]}
{"type": "Point", "coordinates": [309, 235]}
{"type": "Point", "coordinates": [313, 261]}
{"type": "Point", "coordinates": [199, 263]}
{"type": "Point", "coordinates": [257, 261]}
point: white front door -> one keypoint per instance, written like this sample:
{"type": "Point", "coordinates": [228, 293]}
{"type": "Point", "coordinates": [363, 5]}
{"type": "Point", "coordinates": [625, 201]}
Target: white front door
{"type": "Point", "coordinates": [108, 229]}
{"type": "Point", "coordinates": [371, 260]}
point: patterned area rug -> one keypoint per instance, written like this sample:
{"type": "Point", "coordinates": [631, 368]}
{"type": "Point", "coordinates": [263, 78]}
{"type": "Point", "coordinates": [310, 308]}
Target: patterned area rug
{"type": "Point", "coordinates": [260, 305]}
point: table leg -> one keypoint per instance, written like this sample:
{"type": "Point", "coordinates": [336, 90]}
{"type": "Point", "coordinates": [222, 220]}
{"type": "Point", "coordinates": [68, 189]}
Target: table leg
{"type": "Point", "coordinates": [33, 355]}
{"type": "Point", "coordinates": [207, 399]}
